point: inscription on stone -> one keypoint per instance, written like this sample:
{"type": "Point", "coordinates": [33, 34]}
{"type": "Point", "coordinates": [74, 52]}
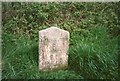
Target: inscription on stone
{"type": "Point", "coordinates": [53, 48]}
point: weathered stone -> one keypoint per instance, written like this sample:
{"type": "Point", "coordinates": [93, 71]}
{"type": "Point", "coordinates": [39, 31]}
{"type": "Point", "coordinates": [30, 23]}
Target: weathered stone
{"type": "Point", "coordinates": [53, 48]}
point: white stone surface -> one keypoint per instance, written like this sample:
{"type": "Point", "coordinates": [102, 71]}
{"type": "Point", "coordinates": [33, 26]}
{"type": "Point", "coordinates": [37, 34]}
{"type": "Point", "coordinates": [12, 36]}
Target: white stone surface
{"type": "Point", "coordinates": [53, 48]}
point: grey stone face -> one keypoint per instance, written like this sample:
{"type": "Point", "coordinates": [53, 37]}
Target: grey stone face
{"type": "Point", "coordinates": [53, 48]}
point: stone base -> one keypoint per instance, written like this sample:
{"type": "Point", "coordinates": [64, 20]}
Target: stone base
{"type": "Point", "coordinates": [60, 67]}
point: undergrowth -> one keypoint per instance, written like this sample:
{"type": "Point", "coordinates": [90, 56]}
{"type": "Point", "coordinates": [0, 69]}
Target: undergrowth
{"type": "Point", "coordinates": [93, 49]}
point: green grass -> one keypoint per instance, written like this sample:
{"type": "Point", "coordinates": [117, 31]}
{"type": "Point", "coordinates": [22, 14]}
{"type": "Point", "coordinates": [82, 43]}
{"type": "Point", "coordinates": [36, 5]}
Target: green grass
{"type": "Point", "coordinates": [20, 60]}
{"type": "Point", "coordinates": [92, 55]}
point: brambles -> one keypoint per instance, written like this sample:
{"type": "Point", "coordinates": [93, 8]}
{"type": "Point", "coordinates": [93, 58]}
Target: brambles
{"type": "Point", "coordinates": [93, 27]}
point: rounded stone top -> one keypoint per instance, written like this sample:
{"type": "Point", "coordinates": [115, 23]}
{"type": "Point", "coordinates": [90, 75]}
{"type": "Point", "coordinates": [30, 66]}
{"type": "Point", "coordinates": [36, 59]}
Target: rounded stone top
{"type": "Point", "coordinates": [53, 29]}
{"type": "Point", "coordinates": [54, 32]}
